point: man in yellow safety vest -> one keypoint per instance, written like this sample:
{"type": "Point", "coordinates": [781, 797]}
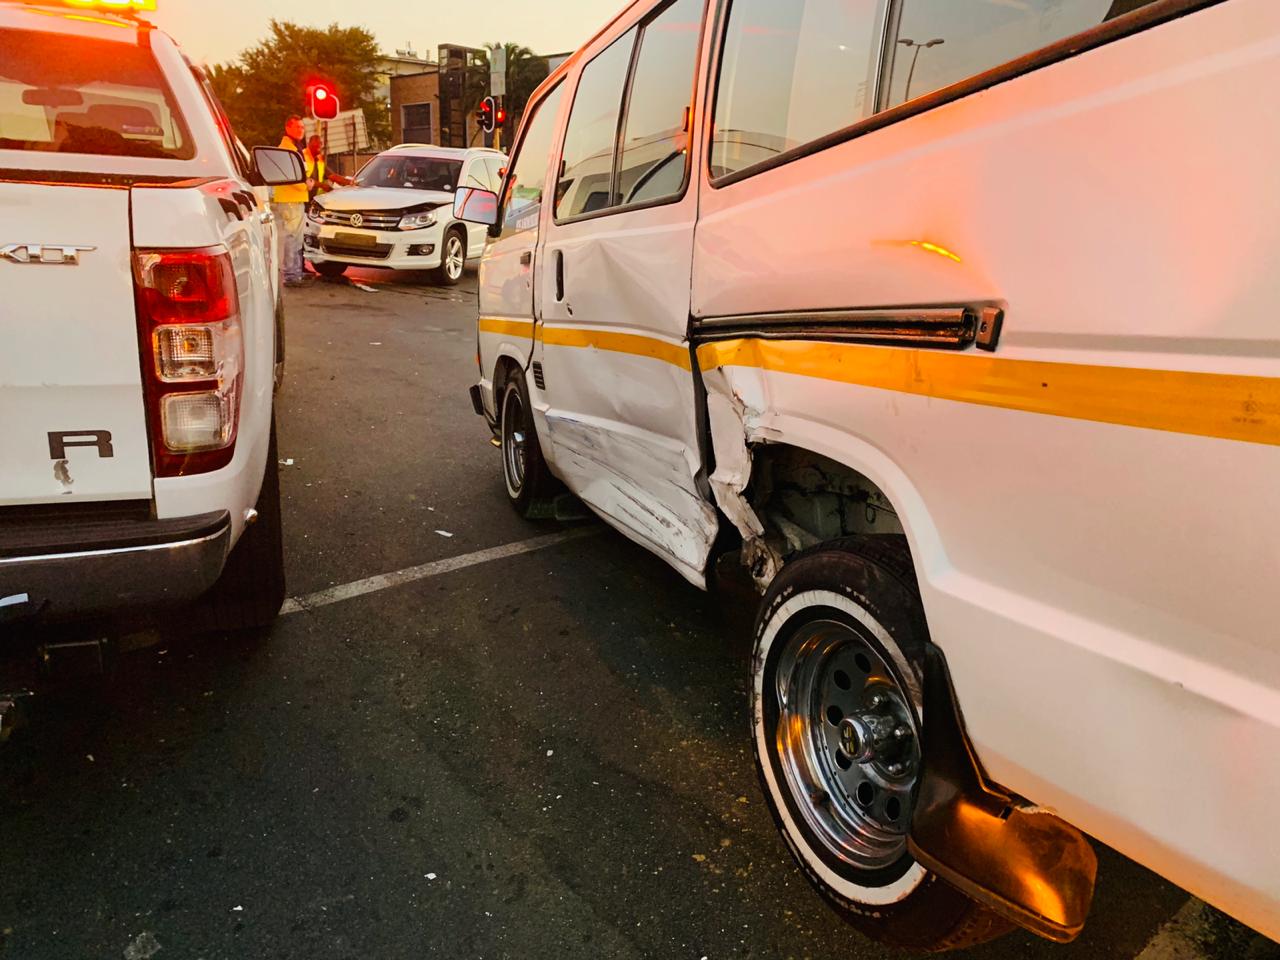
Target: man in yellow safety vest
{"type": "Point", "coordinates": [319, 177]}
{"type": "Point", "coordinates": [289, 203]}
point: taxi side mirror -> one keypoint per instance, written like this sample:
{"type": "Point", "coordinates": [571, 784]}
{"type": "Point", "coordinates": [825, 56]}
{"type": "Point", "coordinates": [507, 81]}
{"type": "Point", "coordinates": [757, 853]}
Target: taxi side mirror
{"type": "Point", "coordinates": [474, 205]}
{"type": "Point", "coordinates": [278, 167]}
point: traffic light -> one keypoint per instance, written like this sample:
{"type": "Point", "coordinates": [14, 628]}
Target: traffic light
{"type": "Point", "coordinates": [486, 116]}
{"type": "Point", "coordinates": [322, 100]}
{"type": "Point", "coordinates": [500, 117]}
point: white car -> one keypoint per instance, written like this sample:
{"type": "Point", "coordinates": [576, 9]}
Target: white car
{"type": "Point", "coordinates": [399, 213]}
{"type": "Point", "coordinates": [141, 338]}
{"type": "Point", "coordinates": [956, 319]}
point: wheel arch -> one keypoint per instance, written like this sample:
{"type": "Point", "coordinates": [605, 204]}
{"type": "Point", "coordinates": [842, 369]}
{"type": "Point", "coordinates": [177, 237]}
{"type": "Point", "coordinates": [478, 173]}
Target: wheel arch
{"type": "Point", "coordinates": [812, 476]}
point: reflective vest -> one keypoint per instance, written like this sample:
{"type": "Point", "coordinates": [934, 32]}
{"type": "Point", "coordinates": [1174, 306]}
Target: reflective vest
{"type": "Point", "coordinates": [294, 192]}
{"type": "Point", "coordinates": [315, 171]}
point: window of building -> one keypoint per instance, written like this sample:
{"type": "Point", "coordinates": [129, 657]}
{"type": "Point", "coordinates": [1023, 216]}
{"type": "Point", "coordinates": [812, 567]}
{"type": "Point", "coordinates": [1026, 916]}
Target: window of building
{"type": "Point", "coordinates": [416, 123]}
{"type": "Point", "coordinates": [586, 168]}
{"type": "Point", "coordinates": [522, 203]}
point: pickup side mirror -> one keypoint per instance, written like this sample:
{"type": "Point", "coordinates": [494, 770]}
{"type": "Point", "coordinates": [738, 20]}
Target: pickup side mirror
{"type": "Point", "coordinates": [278, 167]}
{"type": "Point", "coordinates": [476, 206]}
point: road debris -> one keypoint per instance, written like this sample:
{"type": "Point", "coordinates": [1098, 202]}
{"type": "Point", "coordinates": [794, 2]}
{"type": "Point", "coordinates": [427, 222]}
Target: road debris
{"type": "Point", "coordinates": [143, 948]}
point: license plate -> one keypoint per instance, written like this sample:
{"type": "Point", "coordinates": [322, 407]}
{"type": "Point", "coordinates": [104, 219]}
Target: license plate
{"type": "Point", "coordinates": [356, 239]}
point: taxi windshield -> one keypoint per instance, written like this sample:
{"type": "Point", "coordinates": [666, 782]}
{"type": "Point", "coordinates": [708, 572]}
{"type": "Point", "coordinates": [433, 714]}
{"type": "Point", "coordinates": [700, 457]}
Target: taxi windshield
{"type": "Point", "coordinates": [63, 94]}
{"type": "Point", "coordinates": [413, 173]}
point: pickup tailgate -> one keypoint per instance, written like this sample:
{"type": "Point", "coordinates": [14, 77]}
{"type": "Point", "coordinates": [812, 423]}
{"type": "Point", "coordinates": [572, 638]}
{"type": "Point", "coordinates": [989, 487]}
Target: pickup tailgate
{"type": "Point", "coordinates": [73, 423]}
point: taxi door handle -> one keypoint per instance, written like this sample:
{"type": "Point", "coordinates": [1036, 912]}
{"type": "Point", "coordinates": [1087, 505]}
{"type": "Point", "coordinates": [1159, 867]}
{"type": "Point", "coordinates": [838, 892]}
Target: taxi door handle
{"type": "Point", "coordinates": [526, 258]}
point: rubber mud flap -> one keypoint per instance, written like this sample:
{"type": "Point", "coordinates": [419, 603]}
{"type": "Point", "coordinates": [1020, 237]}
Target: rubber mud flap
{"type": "Point", "coordinates": [1027, 865]}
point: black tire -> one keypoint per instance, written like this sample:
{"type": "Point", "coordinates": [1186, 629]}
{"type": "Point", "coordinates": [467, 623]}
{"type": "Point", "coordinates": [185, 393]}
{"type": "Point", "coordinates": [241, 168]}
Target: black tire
{"type": "Point", "coordinates": [453, 258]}
{"type": "Point", "coordinates": [529, 482]}
{"type": "Point", "coordinates": [330, 268]}
{"type": "Point", "coordinates": [251, 590]}
{"type": "Point", "coordinates": [857, 598]}
{"type": "Point", "coordinates": [279, 370]}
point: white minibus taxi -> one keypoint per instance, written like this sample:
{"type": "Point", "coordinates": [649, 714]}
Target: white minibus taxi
{"type": "Point", "coordinates": [958, 319]}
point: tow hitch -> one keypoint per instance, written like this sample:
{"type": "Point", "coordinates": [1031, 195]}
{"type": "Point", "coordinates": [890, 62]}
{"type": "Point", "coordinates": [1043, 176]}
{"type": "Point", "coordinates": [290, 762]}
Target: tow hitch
{"type": "Point", "coordinates": [1024, 863]}
{"type": "Point", "coordinates": [24, 677]}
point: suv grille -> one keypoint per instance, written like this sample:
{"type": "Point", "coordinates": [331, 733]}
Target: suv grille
{"type": "Point", "coordinates": [370, 219]}
{"type": "Point", "coordinates": [377, 251]}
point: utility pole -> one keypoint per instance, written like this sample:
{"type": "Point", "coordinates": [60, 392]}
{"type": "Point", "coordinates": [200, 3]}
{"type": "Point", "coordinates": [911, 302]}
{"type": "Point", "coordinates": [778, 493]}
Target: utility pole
{"type": "Point", "coordinates": [498, 84]}
{"type": "Point", "coordinates": [906, 95]}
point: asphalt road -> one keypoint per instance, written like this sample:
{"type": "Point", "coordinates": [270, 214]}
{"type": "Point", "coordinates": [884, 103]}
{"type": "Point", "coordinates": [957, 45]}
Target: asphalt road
{"type": "Point", "coordinates": [543, 755]}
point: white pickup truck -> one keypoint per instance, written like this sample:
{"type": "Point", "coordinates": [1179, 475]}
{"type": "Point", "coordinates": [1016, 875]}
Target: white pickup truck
{"type": "Point", "coordinates": [140, 334]}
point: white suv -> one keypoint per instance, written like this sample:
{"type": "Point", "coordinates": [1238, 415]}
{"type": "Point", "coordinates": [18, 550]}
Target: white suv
{"type": "Point", "coordinates": [399, 213]}
{"type": "Point", "coordinates": [142, 331]}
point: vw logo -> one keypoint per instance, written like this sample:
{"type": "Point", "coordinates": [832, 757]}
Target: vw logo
{"type": "Point", "coordinates": [357, 220]}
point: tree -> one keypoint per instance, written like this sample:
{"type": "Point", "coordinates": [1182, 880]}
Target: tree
{"type": "Point", "coordinates": [267, 83]}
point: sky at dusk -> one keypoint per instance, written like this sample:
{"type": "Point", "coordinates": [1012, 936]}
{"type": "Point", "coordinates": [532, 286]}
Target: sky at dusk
{"type": "Point", "coordinates": [211, 31]}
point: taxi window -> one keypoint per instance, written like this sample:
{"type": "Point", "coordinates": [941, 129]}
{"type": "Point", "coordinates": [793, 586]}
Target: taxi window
{"type": "Point", "coordinates": [61, 94]}
{"type": "Point", "coordinates": [526, 184]}
{"type": "Point", "coordinates": [941, 42]}
{"type": "Point", "coordinates": [655, 141]}
{"type": "Point", "coordinates": [790, 73]}
{"type": "Point", "coordinates": [478, 176]}
{"type": "Point", "coordinates": [586, 174]}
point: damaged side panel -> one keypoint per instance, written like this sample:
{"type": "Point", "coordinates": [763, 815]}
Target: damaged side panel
{"type": "Point", "coordinates": [780, 498]}
{"type": "Point", "coordinates": [645, 487]}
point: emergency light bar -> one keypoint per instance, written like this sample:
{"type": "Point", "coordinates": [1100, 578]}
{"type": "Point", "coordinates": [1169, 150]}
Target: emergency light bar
{"type": "Point", "coordinates": [117, 6]}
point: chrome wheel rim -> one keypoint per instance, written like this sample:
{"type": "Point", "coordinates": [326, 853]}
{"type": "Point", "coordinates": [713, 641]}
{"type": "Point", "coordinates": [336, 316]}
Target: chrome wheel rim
{"type": "Point", "coordinates": [847, 744]}
{"type": "Point", "coordinates": [453, 258]}
{"type": "Point", "coordinates": [514, 441]}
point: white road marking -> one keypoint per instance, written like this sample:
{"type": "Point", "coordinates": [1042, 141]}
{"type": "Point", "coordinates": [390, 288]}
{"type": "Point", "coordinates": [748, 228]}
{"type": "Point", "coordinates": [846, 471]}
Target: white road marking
{"type": "Point", "coordinates": [1199, 932]}
{"type": "Point", "coordinates": [1181, 937]}
{"type": "Point", "coordinates": [385, 581]}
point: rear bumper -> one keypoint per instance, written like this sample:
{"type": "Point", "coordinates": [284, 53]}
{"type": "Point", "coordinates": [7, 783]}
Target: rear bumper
{"type": "Point", "coordinates": [56, 571]}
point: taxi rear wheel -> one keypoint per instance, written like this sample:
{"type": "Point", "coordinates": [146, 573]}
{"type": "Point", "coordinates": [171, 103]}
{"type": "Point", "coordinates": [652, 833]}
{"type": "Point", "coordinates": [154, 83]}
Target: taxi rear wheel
{"type": "Point", "coordinates": [836, 711]}
{"type": "Point", "coordinates": [529, 482]}
{"type": "Point", "coordinates": [453, 258]}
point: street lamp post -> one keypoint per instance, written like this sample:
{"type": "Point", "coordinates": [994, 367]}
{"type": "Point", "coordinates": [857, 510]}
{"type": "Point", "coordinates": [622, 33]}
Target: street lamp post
{"type": "Point", "coordinates": [918, 47]}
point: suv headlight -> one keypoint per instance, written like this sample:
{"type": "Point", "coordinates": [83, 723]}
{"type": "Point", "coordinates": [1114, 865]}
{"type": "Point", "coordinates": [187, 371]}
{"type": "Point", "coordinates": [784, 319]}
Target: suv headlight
{"type": "Point", "coordinates": [315, 212]}
{"type": "Point", "coordinates": [418, 221]}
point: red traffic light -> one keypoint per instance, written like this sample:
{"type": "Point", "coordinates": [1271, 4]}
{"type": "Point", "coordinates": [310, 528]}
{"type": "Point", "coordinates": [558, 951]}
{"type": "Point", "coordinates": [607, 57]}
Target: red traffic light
{"type": "Point", "coordinates": [501, 117]}
{"type": "Point", "coordinates": [322, 100]}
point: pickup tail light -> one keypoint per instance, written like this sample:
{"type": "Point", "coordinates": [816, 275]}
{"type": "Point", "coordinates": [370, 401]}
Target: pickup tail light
{"type": "Point", "coordinates": [192, 356]}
